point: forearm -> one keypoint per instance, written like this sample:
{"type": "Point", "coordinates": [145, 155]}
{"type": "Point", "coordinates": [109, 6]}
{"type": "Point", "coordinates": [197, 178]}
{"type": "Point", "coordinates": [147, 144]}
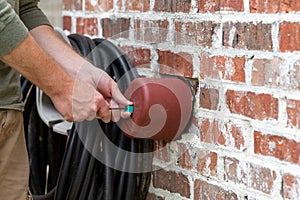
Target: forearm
{"type": "Point", "coordinates": [73, 63]}
{"type": "Point", "coordinates": [34, 63]}
{"type": "Point", "coordinates": [63, 54]}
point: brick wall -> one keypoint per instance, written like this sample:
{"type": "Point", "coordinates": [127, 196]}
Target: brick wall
{"type": "Point", "coordinates": [244, 141]}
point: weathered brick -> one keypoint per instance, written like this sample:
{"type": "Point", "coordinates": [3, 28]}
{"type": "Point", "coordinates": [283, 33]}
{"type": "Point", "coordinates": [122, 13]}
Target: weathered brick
{"type": "Point", "coordinates": [209, 98]}
{"type": "Point", "coordinates": [151, 31]}
{"type": "Point", "coordinates": [207, 163]}
{"type": "Point", "coordinates": [140, 57]}
{"type": "Point", "coordinates": [99, 5]}
{"type": "Point", "coordinates": [204, 190]}
{"type": "Point", "coordinates": [291, 186]}
{"type": "Point", "coordinates": [184, 157]}
{"type": "Point", "coordinates": [276, 72]}
{"type": "Point", "coordinates": [151, 196]}
{"type": "Point", "coordinates": [172, 181]}
{"type": "Point", "coordinates": [72, 5]}
{"type": "Point", "coordinates": [276, 146]}
{"type": "Point", "coordinates": [248, 174]}
{"type": "Point", "coordinates": [210, 131]}
{"type": "Point", "coordinates": [251, 36]}
{"type": "Point", "coordinates": [175, 63]}
{"type": "Point", "coordinates": [222, 67]}
{"type": "Point", "coordinates": [67, 23]}
{"type": "Point", "coordinates": [135, 5]}
{"type": "Point", "coordinates": [195, 33]}
{"type": "Point", "coordinates": [220, 5]}
{"type": "Point", "coordinates": [273, 6]}
{"type": "Point", "coordinates": [87, 26]}
{"type": "Point", "coordinates": [293, 112]}
{"type": "Point", "coordinates": [250, 104]}
{"type": "Point", "coordinates": [222, 133]}
{"type": "Point", "coordinates": [172, 6]}
{"type": "Point", "coordinates": [162, 151]}
{"type": "Point", "coordinates": [116, 28]}
{"type": "Point", "coordinates": [266, 71]}
{"type": "Point", "coordinates": [289, 36]}
{"type": "Point", "coordinates": [234, 135]}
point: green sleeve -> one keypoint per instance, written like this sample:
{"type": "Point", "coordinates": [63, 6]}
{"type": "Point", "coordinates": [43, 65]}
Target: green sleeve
{"type": "Point", "coordinates": [31, 15]}
{"type": "Point", "coordinates": [12, 30]}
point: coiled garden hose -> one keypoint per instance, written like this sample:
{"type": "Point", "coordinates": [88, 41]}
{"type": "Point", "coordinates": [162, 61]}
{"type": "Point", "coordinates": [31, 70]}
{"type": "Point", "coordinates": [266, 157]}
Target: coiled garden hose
{"type": "Point", "coordinates": [82, 175]}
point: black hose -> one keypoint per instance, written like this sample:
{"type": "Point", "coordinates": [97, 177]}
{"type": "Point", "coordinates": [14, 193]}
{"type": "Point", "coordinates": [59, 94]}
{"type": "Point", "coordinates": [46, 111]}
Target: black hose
{"type": "Point", "coordinates": [45, 149]}
{"type": "Point", "coordinates": [83, 176]}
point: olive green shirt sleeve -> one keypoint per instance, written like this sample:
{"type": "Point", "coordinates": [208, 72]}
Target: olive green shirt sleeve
{"type": "Point", "coordinates": [12, 30]}
{"type": "Point", "coordinates": [31, 15]}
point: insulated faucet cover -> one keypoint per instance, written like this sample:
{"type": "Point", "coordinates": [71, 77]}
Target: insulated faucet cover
{"type": "Point", "coordinates": [162, 108]}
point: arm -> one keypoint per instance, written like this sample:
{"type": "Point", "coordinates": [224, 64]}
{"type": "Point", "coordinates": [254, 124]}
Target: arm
{"type": "Point", "coordinates": [76, 65]}
{"type": "Point", "coordinates": [74, 99]}
{"type": "Point", "coordinates": [37, 66]}
{"type": "Point", "coordinates": [69, 60]}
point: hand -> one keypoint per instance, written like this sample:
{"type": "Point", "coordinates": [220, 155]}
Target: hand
{"type": "Point", "coordinates": [94, 92]}
{"type": "Point", "coordinates": [78, 101]}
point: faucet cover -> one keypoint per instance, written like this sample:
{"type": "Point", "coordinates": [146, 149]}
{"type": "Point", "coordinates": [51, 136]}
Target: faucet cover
{"type": "Point", "coordinates": [162, 108]}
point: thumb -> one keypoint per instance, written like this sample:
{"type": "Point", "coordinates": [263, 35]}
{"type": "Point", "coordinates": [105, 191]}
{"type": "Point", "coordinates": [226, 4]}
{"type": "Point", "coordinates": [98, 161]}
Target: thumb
{"type": "Point", "coordinates": [119, 97]}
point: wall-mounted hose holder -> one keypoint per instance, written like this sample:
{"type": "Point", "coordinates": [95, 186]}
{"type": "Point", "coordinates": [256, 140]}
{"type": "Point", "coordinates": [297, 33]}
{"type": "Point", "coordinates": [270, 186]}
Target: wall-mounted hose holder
{"type": "Point", "coordinates": [162, 108]}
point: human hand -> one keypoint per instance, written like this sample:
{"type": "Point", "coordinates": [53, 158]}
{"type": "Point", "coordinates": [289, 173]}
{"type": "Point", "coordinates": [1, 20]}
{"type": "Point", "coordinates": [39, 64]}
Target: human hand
{"type": "Point", "coordinates": [109, 91]}
{"type": "Point", "coordinates": [78, 101]}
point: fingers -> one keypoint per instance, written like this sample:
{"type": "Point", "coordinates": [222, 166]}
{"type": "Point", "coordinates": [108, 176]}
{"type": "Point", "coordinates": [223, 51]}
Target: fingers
{"type": "Point", "coordinates": [115, 114]}
{"type": "Point", "coordinates": [118, 96]}
{"type": "Point", "coordinates": [103, 87]}
{"type": "Point", "coordinates": [109, 88]}
{"type": "Point", "coordinates": [102, 109]}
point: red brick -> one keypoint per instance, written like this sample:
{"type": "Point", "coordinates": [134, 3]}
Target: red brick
{"type": "Point", "coordinates": [116, 28]}
{"type": "Point", "coordinates": [99, 6]}
{"type": "Point", "coordinates": [220, 5]}
{"type": "Point", "coordinates": [273, 6]}
{"type": "Point", "coordinates": [87, 26]}
{"type": "Point", "coordinates": [204, 190]}
{"type": "Point", "coordinates": [266, 72]}
{"type": "Point", "coordinates": [209, 98]}
{"type": "Point", "coordinates": [227, 134]}
{"type": "Point", "coordinates": [175, 63]}
{"type": "Point", "coordinates": [289, 36]}
{"type": "Point", "coordinates": [172, 181]}
{"type": "Point", "coordinates": [184, 157]}
{"type": "Point", "coordinates": [276, 146]}
{"type": "Point", "coordinates": [151, 196]}
{"type": "Point", "coordinates": [207, 163]}
{"type": "Point", "coordinates": [135, 5]}
{"type": "Point", "coordinates": [72, 5]}
{"type": "Point", "coordinates": [152, 31]}
{"type": "Point", "coordinates": [291, 186]}
{"type": "Point", "coordinates": [67, 23]}
{"type": "Point", "coordinates": [250, 104]}
{"type": "Point", "coordinates": [293, 112]}
{"type": "Point", "coordinates": [250, 175]}
{"type": "Point", "coordinates": [233, 135]}
{"type": "Point", "coordinates": [140, 57]}
{"type": "Point", "coordinates": [210, 131]}
{"type": "Point", "coordinates": [172, 6]}
{"type": "Point", "coordinates": [162, 151]}
{"type": "Point", "coordinates": [222, 67]}
{"type": "Point", "coordinates": [195, 33]}
{"type": "Point", "coordinates": [276, 73]}
{"type": "Point", "coordinates": [251, 36]}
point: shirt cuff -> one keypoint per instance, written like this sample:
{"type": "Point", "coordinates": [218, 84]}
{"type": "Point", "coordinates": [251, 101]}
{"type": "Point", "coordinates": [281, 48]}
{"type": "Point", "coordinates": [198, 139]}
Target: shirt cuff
{"type": "Point", "coordinates": [34, 18]}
